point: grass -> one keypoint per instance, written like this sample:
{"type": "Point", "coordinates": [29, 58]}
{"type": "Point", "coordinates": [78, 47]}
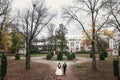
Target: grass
{"type": "Point", "coordinates": [39, 71]}
{"type": "Point", "coordinates": [35, 55]}
{"type": "Point", "coordinates": [16, 71]}
{"type": "Point", "coordinates": [32, 55]}
{"type": "Point", "coordinates": [113, 57]}
{"type": "Point", "coordinates": [104, 71]}
{"type": "Point", "coordinates": [54, 58]}
{"type": "Point", "coordinates": [38, 55]}
{"type": "Point", "coordinates": [85, 55]}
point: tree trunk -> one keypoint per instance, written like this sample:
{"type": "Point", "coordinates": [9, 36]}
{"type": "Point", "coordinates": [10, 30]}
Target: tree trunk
{"type": "Point", "coordinates": [99, 45]}
{"type": "Point", "coordinates": [28, 55]}
{"type": "Point", "coordinates": [2, 78]}
{"type": "Point", "coordinates": [62, 43]}
{"type": "Point", "coordinates": [55, 44]}
{"type": "Point", "coordinates": [51, 46]}
{"type": "Point", "coordinates": [94, 68]}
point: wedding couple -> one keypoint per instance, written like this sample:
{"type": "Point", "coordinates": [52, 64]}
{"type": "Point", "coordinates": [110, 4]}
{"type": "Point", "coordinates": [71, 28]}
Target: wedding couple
{"type": "Point", "coordinates": [61, 69]}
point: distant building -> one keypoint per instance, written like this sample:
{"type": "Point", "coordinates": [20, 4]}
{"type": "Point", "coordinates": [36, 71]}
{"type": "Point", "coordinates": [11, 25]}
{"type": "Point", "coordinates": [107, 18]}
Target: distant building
{"type": "Point", "coordinates": [74, 45]}
{"type": "Point", "coordinates": [86, 45]}
{"type": "Point", "coordinates": [40, 44]}
{"type": "Point", "coordinates": [113, 43]}
{"type": "Point", "coordinates": [46, 44]}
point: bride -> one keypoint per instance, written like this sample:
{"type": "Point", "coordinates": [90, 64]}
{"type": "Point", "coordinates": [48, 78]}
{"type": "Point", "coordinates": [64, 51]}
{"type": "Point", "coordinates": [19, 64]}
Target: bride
{"type": "Point", "coordinates": [58, 70]}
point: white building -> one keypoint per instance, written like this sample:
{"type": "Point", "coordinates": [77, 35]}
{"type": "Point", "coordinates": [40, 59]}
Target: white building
{"type": "Point", "coordinates": [113, 43]}
{"type": "Point", "coordinates": [74, 45]}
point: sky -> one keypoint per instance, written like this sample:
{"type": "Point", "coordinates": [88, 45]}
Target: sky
{"type": "Point", "coordinates": [54, 5]}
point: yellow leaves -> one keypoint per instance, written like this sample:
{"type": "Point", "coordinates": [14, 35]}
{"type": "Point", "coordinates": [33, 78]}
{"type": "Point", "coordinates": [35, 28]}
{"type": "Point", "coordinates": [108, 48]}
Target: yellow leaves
{"type": "Point", "coordinates": [6, 41]}
{"type": "Point", "coordinates": [86, 42]}
{"type": "Point", "coordinates": [17, 40]}
{"type": "Point", "coordinates": [108, 32]}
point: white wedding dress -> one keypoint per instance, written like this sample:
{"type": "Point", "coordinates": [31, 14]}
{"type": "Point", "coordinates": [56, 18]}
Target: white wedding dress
{"type": "Point", "coordinates": [58, 71]}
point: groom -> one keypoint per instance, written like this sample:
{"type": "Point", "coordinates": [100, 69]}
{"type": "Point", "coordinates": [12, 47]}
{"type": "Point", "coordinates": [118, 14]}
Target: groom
{"type": "Point", "coordinates": [64, 68]}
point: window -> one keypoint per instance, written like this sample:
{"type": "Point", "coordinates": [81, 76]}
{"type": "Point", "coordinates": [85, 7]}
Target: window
{"type": "Point", "coordinates": [77, 47]}
{"type": "Point", "coordinates": [77, 42]}
{"type": "Point", "coordinates": [72, 44]}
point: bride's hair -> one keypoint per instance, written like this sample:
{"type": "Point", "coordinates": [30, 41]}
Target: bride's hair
{"type": "Point", "coordinates": [59, 65]}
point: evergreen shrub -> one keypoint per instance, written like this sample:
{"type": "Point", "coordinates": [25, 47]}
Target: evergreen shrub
{"type": "Point", "coordinates": [17, 57]}
{"type": "Point", "coordinates": [3, 66]}
{"type": "Point", "coordinates": [102, 56]}
{"type": "Point", "coordinates": [60, 56]}
{"type": "Point", "coordinates": [116, 67]}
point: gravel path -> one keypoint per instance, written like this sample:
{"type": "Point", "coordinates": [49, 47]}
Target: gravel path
{"type": "Point", "coordinates": [53, 65]}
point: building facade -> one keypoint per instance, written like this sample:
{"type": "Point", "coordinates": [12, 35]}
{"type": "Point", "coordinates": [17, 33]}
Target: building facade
{"type": "Point", "coordinates": [74, 45]}
{"type": "Point", "coordinates": [114, 43]}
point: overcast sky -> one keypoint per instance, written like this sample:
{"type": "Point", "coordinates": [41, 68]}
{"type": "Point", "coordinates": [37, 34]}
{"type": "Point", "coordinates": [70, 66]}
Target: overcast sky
{"type": "Point", "coordinates": [54, 5]}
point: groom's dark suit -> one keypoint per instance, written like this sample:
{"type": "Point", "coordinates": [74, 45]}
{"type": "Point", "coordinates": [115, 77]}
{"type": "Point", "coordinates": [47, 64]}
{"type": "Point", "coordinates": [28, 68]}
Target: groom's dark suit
{"type": "Point", "coordinates": [64, 68]}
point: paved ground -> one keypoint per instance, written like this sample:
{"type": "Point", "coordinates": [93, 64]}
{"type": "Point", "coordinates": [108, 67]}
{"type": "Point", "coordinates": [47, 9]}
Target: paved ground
{"type": "Point", "coordinates": [53, 65]}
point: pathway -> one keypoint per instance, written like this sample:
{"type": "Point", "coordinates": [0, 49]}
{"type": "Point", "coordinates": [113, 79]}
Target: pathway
{"type": "Point", "coordinates": [53, 65]}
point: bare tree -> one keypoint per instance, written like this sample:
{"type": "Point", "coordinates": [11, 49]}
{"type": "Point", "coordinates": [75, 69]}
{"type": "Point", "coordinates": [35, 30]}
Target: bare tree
{"type": "Point", "coordinates": [34, 20]}
{"type": "Point", "coordinates": [51, 37]}
{"type": "Point", "coordinates": [114, 8]}
{"type": "Point", "coordinates": [5, 9]}
{"type": "Point", "coordinates": [50, 28]}
{"type": "Point", "coordinates": [93, 9]}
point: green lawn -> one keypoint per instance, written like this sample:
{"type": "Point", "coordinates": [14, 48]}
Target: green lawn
{"type": "Point", "coordinates": [38, 55]}
{"type": "Point", "coordinates": [85, 55]}
{"type": "Point", "coordinates": [35, 55]}
{"type": "Point", "coordinates": [32, 55]}
{"type": "Point", "coordinates": [113, 57]}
